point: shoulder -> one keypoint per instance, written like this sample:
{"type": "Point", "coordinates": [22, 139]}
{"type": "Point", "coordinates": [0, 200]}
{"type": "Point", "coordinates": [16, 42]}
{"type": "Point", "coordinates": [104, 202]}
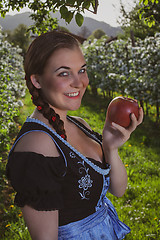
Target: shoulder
{"type": "Point", "coordinates": [39, 142]}
{"type": "Point", "coordinates": [81, 120]}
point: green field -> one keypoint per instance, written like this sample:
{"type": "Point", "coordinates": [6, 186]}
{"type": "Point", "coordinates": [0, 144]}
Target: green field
{"type": "Point", "coordinates": [139, 207]}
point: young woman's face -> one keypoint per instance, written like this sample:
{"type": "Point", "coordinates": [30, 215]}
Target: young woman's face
{"type": "Point", "coordinates": [65, 79]}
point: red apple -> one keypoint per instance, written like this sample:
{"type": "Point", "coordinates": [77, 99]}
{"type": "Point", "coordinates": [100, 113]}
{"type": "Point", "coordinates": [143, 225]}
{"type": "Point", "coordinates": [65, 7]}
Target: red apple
{"type": "Point", "coordinates": [120, 109]}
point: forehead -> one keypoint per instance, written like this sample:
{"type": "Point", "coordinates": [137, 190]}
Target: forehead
{"type": "Point", "coordinates": [67, 57]}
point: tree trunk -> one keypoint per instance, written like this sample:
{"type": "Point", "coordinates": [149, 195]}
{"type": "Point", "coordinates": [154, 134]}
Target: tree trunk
{"type": "Point", "coordinates": [141, 104]}
{"type": "Point", "coordinates": [94, 91]}
{"type": "Point", "coordinates": [146, 108]}
{"type": "Point", "coordinates": [104, 94]}
{"type": "Point", "coordinates": [132, 38]}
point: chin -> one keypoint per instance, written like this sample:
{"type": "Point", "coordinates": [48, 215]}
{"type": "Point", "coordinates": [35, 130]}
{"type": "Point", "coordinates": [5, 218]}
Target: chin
{"type": "Point", "coordinates": [74, 108]}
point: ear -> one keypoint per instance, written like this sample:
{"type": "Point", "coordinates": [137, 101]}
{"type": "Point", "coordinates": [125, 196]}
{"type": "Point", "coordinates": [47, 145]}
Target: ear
{"type": "Point", "coordinates": [35, 81]}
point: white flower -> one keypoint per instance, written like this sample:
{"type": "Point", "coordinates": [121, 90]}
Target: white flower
{"type": "Point", "coordinates": [85, 182]}
{"type": "Point", "coordinates": [20, 103]}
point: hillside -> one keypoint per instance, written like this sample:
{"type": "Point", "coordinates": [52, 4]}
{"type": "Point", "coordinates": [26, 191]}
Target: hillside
{"type": "Point", "coordinates": [10, 22]}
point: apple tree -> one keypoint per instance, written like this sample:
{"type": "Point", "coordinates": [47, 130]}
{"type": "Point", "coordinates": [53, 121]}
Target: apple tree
{"type": "Point", "coordinates": [11, 89]}
{"type": "Point", "coordinates": [19, 37]}
{"type": "Point", "coordinates": [125, 69]}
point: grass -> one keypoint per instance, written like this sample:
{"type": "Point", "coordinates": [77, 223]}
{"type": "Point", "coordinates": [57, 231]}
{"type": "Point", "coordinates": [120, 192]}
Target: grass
{"type": "Point", "coordinates": [139, 207]}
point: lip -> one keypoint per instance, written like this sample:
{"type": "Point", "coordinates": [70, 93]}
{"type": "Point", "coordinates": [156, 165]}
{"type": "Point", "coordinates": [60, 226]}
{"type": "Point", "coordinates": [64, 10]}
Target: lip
{"type": "Point", "coordinates": [73, 96]}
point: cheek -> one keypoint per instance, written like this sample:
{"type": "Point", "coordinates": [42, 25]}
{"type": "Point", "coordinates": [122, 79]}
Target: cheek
{"type": "Point", "coordinates": [51, 84]}
{"type": "Point", "coordinates": [86, 81]}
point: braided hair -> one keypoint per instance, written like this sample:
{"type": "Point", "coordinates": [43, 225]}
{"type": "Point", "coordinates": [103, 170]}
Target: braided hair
{"type": "Point", "coordinates": [35, 61]}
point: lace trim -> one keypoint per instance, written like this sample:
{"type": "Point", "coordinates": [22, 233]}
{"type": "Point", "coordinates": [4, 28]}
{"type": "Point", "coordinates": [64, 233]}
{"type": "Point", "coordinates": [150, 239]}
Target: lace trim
{"type": "Point", "coordinates": [95, 167]}
{"type": "Point", "coordinates": [85, 130]}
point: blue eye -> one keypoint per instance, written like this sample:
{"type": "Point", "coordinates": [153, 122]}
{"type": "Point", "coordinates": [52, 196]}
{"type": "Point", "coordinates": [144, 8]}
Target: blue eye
{"type": "Point", "coordinates": [63, 74]}
{"type": "Point", "coordinates": [83, 70]}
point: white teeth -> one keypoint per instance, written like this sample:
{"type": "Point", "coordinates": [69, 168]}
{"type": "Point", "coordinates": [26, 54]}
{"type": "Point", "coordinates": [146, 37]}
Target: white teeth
{"type": "Point", "coordinates": [72, 94]}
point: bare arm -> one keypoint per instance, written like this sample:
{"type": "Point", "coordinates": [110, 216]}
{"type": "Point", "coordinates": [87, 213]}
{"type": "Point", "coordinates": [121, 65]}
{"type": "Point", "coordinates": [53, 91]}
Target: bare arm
{"type": "Point", "coordinates": [118, 174]}
{"type": "Point", "coordinates": [115, 136]}
{"type": "Point", "coordinates": [41, 224]}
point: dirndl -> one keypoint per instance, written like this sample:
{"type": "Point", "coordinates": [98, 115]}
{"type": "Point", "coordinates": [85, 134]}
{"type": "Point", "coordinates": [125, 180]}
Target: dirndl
{"type": "Point", "coordinates": [101, 225]}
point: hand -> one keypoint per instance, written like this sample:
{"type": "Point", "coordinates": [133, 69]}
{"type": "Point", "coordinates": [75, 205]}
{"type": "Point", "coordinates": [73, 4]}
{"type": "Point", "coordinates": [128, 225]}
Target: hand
{"type": "Point", "coordinates": [115, 136]}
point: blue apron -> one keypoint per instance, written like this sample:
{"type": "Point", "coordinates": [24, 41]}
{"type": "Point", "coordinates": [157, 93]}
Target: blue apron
{"type": "Point", "coordinates": [101, 225]}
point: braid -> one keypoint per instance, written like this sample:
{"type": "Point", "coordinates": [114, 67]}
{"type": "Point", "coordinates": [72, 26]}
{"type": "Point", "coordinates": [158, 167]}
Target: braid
{"type": "Point", "coordinates": [35, 61]}
{"type": "Point", "coordinates": [44, 108]}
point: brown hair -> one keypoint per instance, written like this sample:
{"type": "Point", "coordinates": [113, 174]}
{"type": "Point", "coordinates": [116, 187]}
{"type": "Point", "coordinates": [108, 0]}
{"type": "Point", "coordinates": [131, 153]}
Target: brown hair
{"type": "Point", "coordinates": [36, 59]}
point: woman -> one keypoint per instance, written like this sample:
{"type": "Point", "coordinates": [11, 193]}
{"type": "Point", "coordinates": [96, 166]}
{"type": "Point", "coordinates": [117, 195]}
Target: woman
{"type": "Point", "coordinates": [60, 168]}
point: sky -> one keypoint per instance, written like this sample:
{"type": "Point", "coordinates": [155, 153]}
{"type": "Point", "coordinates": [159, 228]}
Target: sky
{"type": "Point", "coordinates": [108, 11]}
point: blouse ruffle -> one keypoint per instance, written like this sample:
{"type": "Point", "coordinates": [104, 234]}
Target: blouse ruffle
{"type": "Point", "coordinates": [37, 180]}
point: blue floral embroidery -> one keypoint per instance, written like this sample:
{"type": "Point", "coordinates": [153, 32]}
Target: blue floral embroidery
{"type": "Point", "coordinates": [85, 182]}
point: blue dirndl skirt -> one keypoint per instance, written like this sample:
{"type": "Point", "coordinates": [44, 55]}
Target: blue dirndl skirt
{"type": "Point", "coordinates": [103, 224]}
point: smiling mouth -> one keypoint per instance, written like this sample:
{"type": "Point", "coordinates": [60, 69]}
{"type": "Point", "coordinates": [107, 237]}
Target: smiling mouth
{"type": "Point", "coordinates": [74, 94]}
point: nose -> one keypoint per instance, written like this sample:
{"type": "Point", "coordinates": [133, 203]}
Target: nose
{"type": "Point", "coordinates": [76, 81]}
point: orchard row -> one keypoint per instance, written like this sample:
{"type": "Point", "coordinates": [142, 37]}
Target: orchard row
{"type": "Point", "coordinates": [129, 70]}
{"type": "Point", "coordinates": [114, 67]}
{"type": "Point", "coordinates": [11, 89]}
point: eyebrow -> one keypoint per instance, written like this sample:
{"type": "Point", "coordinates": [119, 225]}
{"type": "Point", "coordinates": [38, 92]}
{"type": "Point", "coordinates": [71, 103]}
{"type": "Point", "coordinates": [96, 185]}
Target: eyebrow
{"type": "Point", "coordinates": [65, 67]}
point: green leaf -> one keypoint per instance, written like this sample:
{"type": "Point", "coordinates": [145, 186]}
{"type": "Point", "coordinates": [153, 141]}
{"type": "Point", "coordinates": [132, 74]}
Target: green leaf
{"type": "Point", "coordinates": [3, 13]}
{"type": "Point", "coordinates": [70, 2]}
{"type": "Point", "coordinates": [79, 2]}
{"type": "Point", "coordinates": [79, 19]}
{"type": "Point", "coordinates": [86, 5]}
{"type": "Point", "coordinates": [63, 11]}
{"type": "Point", "coordinates": [151, 23]}
{"type": "Point", "coordinates": [65, 14]}
{"type": "Point", "coordinates": [69, 17]}
{"type": "Point", "coordinates": [145, 2]}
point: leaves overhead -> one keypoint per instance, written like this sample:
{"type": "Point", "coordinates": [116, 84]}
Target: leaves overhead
{"type": "Point", "coordinates": [79, 19]}
{"type": "Point", "coordinates": [41, 9]}
{"type": "Point", "coordinates": [150, 12]}
{"type": "Point", "coordinates": [131, 21]}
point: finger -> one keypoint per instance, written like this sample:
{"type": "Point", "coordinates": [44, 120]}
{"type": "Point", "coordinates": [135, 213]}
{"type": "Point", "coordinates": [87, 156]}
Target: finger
{"type": "Point", "coordinates": [133, 124]}
{"type": "Point", "coordinates": [140, 118]}
{"type": "Point", "coordinates": [118, 127]}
